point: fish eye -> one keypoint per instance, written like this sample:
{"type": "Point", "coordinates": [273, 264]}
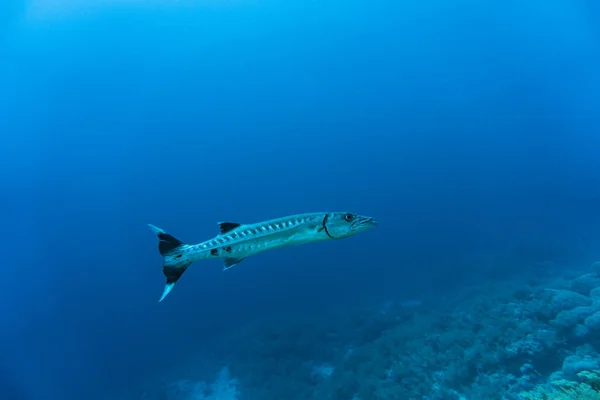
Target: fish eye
{"type": "Point", "coordinates": [348, 217]}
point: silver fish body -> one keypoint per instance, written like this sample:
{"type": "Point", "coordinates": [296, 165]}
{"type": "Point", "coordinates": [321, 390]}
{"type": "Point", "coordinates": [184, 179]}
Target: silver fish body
{"type": "Point", "coordinates": [237, 242]}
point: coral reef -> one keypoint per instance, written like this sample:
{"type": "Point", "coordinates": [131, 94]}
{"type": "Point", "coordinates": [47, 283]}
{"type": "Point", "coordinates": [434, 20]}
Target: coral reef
{"type": "Point", "coordinates": [587, 388]}
{"type": "Point", "coordinates": [224, 387]}
{"type": "Point", "coordinates": [507, 341]}
{"type": "Point", "coordinates": [512, 343]}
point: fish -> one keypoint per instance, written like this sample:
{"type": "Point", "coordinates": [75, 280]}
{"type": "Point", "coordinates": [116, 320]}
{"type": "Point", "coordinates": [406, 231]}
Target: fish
{"type": "Point", "coordinates": [236, 242]}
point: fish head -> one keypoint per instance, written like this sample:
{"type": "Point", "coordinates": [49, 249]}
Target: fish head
{"type": "Point", "coordinates": [344, 224]}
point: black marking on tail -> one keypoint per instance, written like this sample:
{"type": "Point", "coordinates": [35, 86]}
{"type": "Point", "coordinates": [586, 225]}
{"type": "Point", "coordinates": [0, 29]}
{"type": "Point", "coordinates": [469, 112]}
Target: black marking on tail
{"type": "Point", "coordinates": [227, 226]}
{"type": "Point", "coordinates": [173, 252]}
{"type": "Point", "coordinates": [173, 273]}
{"type": "Point", "coordinates": [167, 243]}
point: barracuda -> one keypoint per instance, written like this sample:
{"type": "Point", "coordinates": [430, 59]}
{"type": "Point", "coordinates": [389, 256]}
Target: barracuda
{"type": "Point", "coordinates": [236, 242]}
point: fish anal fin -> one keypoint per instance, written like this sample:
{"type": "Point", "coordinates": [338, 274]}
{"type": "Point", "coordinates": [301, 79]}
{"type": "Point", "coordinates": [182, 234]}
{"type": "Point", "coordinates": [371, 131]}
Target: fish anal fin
{"type": "Point", "coordinates": [228, 226]}
{"type": "Point", "coordinates": [230, 262]}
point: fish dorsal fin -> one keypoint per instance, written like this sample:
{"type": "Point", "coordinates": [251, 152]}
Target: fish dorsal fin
{"type": "Point", "coordinates": [227, 226]}
{"type": "Point", "coordinates": [230, 262]}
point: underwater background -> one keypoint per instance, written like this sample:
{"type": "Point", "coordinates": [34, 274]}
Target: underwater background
{"type": "Point", "coordinates": [469, 129]}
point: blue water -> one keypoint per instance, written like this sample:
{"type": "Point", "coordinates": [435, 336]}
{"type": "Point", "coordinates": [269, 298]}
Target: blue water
{"type": "Point", "coordinates": [469, 129]}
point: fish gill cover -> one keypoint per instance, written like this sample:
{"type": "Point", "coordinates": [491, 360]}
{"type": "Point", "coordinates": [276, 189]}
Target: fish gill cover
{"type": "Point", "coordinates": [470, 130]}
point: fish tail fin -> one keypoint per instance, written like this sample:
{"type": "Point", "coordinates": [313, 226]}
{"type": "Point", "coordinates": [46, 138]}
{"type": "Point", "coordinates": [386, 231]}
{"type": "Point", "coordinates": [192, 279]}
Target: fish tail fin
{"type": "Point", "coordinates": [174, 264]}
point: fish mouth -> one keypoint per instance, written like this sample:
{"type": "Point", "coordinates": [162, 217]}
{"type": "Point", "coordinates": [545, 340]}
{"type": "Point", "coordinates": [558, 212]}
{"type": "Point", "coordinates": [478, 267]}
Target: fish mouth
{"type": "Point", "coordinates": [365, 222]}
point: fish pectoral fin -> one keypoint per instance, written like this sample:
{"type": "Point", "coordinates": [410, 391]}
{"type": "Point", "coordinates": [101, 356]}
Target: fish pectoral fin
{"type": "Point", "coordinates": [230, 262]}
{"type": "Point", "coordinates": [225, 227]}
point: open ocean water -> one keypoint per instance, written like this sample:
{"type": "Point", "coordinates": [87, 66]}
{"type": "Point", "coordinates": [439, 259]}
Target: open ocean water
{"type": "Point", "coordinates": [470, 130]}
